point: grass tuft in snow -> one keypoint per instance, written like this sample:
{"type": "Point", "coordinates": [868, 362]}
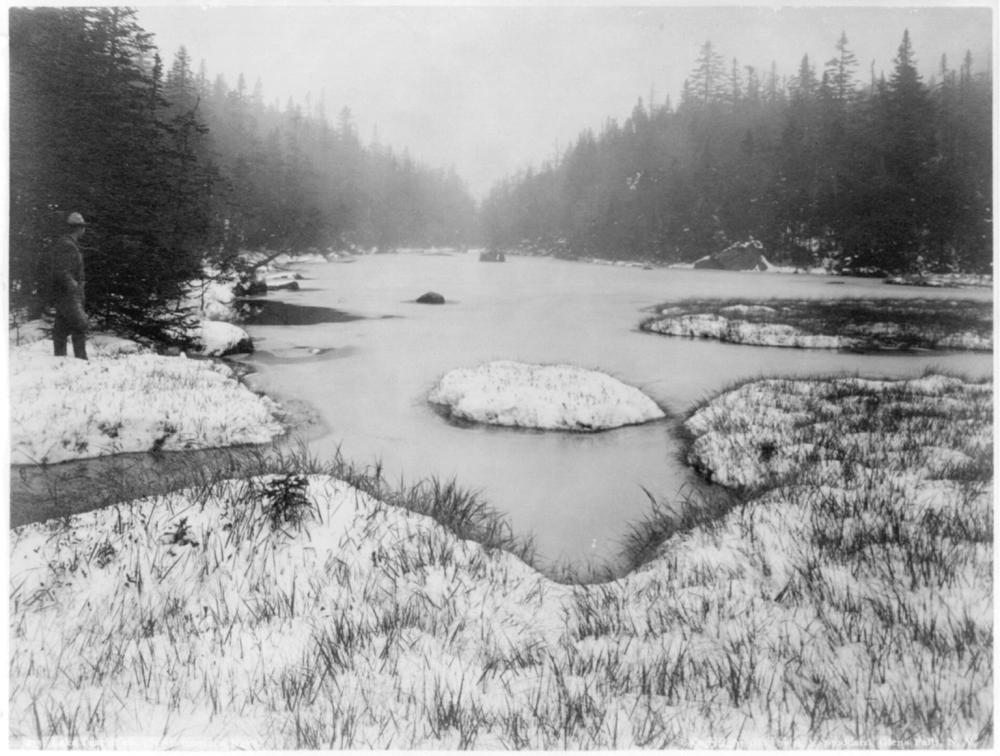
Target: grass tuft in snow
{"type": "Point", "coordinates": [691, 508]}
{"type": "Point", "coordinates": [460, 510]}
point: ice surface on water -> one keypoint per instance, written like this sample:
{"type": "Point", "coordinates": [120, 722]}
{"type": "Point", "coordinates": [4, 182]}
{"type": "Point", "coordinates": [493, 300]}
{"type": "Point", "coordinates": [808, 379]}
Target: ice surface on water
{"type": "Point", "coordinates": [575, 494]}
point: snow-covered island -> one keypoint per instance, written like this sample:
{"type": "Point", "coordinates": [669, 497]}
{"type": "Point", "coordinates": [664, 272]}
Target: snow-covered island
{"type": "Point", "coordinates": [846, 597]}
{"type": "Point", "coordinates": [549, 397]}
{"type": "Point", "coordinates": [882, 324]}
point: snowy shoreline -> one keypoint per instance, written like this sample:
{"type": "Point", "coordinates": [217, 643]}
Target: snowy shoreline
{"type": "Point", "coordinates": [126, 399]}
{"type": "Point", "coordinates": [929, 280]}
{"type": "Point", "coordinates": [296, 611]}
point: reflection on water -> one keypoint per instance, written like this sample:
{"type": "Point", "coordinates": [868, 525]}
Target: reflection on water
{"type": "Point", "coordinates": [367, 376]}
{"type": "Point", "coordinates": [55, 491]}
{"type": "Point", "coordinates": [276, 312]}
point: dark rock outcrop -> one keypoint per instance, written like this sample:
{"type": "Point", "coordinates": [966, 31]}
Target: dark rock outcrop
{"type": "Point", "coordinates": [243, 346]}
{"type": "Point", "coordinates": [708, 263]}
{"type": "Point", "coordinates": [250, 288]}
{"type": "Point", "coordinates": [748, 255]}
{"type": "Point", "coordinates": [431, 297]}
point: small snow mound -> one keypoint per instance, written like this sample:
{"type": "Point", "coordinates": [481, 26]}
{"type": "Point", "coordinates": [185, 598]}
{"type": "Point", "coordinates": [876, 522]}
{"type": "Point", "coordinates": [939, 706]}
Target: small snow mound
{"type": "Point", "coordinates": [551, 397]}
{"type": "Point", "coordinates": [216, 338]}
{"type": "Point", "coordinates": [934, 385]}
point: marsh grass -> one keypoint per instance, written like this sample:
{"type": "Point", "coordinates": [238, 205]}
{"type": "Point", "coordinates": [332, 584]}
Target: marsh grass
{"type": "Point", "coordinates": [689, 509]}
{"type": "Point", "coordinates": [460, 510]}
{"type": "Point", "coordinates": [860, 324]}
{"type": "Point", "coordinates": [893, 494]}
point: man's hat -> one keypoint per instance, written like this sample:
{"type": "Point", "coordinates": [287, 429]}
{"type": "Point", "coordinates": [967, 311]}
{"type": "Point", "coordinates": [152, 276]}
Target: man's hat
{"type": "Point", "coordinates": [75, 219]}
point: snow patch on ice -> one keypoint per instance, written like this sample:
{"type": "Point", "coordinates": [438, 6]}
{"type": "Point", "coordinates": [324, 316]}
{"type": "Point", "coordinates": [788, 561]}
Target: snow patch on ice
{"type": "Point", "coordinates": [552, 397]}
{"type": "Point", "coordinates": [712, 326]}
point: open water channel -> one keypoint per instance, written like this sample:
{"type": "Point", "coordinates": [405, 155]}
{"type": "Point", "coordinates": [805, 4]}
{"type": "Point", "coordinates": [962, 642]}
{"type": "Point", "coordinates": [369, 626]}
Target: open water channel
{"type": "Point", "coordinates": [367, 376]}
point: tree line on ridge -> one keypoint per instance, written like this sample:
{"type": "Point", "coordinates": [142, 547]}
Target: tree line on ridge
{"type": "Point", "coordinates": [889, 175]}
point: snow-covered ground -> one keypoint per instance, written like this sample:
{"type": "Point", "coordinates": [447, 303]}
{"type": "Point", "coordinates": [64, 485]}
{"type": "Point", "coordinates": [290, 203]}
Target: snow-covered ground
{"type": "Point", "coordinates": [551, 397]}
{"type": "Point", "coordinates": [738, 331]}
{"type": "Point", "coordinates": [943, 280]}
{"type": "Point", "coordinates": [848, 605]}
{"type": "Point", "coordinates": [124, 400]}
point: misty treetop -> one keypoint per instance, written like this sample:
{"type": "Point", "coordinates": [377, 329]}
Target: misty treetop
{"type": "Point", "coordinates": [294, 180]}
{"type": "Point", "coordinates": [171, 171]}
{"type": "Point", "coordinates": [833, 164]}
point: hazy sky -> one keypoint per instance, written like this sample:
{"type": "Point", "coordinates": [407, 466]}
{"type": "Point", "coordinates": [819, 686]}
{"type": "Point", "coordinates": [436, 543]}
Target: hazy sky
{"type": "Point", "coordinates": [491, 90]}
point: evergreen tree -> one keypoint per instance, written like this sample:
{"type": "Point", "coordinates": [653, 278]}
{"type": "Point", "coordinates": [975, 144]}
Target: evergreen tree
{"type": "Point", "coordinates": [840, 70]}
{"type": "Point", "coordinates": [87, 135]}
{"type": "Point", "coordinates": [893, 228]}
{"type": "Point", "coordinates": [708, 77]}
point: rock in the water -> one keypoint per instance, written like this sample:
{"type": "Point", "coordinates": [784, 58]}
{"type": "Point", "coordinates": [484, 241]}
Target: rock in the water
{"type": "Point", "coordinates": [431, 297]}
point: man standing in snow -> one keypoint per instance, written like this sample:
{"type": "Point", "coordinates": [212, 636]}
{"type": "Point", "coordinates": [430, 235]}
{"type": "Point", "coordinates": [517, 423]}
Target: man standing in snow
{"type": "Point", "coordinates": [67, 290]}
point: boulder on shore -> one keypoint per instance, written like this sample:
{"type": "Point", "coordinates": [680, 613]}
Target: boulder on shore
{"type": "Point", "coordinates": [250, 288]}
{"type": "Point", "coordinates": [748, 255]}
{"type": "Point", "coordinates": [217, 339]}
{"type": "Point", "coordinates": [431, 297]}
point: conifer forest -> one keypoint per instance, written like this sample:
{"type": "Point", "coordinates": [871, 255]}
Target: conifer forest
{"type": "Point", "coordinates": [892, 174]}
{"type": "Point", "coordinates": [174, 168]}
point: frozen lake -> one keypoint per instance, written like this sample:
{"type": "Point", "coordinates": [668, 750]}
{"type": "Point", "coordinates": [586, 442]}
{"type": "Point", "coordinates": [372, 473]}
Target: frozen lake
{"type": "Point", "coordinates": [575, 493]}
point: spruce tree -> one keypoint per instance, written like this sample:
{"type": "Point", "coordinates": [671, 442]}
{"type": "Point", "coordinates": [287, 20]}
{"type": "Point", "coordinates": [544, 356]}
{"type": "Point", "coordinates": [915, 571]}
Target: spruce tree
{"type": "Point", "coordinates": [708, 77]}
{"type": "Point", "coordinates": [840, 70]}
